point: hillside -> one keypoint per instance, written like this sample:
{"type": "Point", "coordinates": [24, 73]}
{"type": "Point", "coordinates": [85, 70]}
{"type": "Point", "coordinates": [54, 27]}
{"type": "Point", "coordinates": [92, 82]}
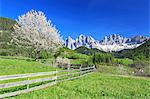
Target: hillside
{"type": "Point", "coordinates": [6, 23]}
{"type": "Point", "coordinates": [7, 48]}
{"type": "Point", "coordinates": [72, 55]}
{"type": "Point", "coordinates": [6, 27]}
{"type": "Point", "coordinates": [87, 51]}
{"type": "Point", "coordinates": [141, 52]}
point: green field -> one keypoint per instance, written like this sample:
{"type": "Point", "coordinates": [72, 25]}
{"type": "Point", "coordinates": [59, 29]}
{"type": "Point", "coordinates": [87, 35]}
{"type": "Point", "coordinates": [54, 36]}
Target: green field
{"type": "Point", "coordinates": [106, 83]}
{"type": "Point", "coordinates": [21, 65]}
{"type": "Point", "coordinates": [95, 86]}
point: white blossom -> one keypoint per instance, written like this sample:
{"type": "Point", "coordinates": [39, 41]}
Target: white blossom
{"type": "Point", "coordinates": [33, 30]}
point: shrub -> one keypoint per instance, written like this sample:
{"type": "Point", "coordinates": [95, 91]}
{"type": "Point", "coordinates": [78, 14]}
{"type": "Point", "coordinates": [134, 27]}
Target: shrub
{"type": "Point", "coordinates": [123, 61]}
{"type": "Point", "coordinates": [44, 55]}
{"type": "Point", "coordinates": [3, 53]}
{"type": "Point", "coordinates": [102, 58]}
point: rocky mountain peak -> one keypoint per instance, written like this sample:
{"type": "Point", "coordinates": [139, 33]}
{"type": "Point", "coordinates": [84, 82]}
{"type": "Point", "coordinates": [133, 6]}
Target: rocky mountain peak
{"type": "Point", "coordinates": [113, 39]}
{"type": "Point", "coordinates": [114, 42]}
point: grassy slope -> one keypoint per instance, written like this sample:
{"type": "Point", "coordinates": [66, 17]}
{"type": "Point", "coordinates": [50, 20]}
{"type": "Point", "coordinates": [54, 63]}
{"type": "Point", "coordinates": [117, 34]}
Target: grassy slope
{"type": "Point", "coordinates": [6, 25]}
{"type": "Point", "coordinates": [141, 52]}
{"type": "Point", "coordinates": [95, 86]}
{"type": "Point", "coordinates": [75, 58]}
{"type": "Point", "coordinates": [87, 51]}
{"type": "Point", "coordinates": [123, 61]}
{"type": "Point", "coordinates": [19, 66]}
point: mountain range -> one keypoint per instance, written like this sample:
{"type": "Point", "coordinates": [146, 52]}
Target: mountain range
{"type": "Point", "coordinates": [114, 42]}
{"type": "Point", "coordinates": [110, 43]}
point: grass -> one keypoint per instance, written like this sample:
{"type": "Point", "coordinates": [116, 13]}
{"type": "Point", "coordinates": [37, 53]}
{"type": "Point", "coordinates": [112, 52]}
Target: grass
{"type": "Point", "coordinates": [118, 70]}
{"type": "Point", "coordinates": [19, 66]}
{"type": "Point", "coordinates": [77, 61]}
{"type": "Point", "coordinates": [102, 84]}
{"type": "Point", "coordinates": [95, 86]}
{"type": "Point", "coordinates": [76, 56]}
{"type": "Point", "coordinates": [124, 61]}
{"type": "Point", "coordinates": [71, 54]}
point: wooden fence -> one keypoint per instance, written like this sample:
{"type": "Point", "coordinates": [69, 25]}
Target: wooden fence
{"type": "Point", "coordinates": [51, 78]}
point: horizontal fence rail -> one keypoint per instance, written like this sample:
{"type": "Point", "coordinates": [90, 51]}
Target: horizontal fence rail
{"type": "Point", "coordinates": [77, 69]}
{"type": "Point", "coordinates": [54, 79]}
{"type": "Point", "coordinates": [26, 82]}
{"type": "Point", "coordinates": [26, 90]}
{"type": "Point", "coordinates": [8, 77]}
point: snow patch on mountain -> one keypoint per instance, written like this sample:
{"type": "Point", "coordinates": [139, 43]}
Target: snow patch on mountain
{"type": "Point", "coordinates": [110, 43]}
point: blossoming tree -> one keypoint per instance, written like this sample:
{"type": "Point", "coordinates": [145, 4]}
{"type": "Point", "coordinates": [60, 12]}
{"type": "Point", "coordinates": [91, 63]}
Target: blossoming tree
{"type": "Point", "coordinates": [33, 30]}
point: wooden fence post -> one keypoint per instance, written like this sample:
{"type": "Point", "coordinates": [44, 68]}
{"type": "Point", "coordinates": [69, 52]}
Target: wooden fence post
{"type": "Point", "coordinates": [94, 68]}
{"type": "Point", "coordinates": [56, 76]}
{"type": "Point", "coordinates": [68, 70]}
{"type": "Point", "coordinates": [28, 84]}
{"type": "Point", "coordinates": [80, 70]}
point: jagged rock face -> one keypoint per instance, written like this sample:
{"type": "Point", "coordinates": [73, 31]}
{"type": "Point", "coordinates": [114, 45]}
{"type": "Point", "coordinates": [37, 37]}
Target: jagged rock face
{"type": "Point", "coordinates": [137, 39]}
{"type": "Point", "coordinates": [114, 42]}
{"type": "Point", "coordinates": [70, 43]}
{"type": "Point", "coordinates": [82, 40]}
{"type": "Point", "coordinates": [113, 39]}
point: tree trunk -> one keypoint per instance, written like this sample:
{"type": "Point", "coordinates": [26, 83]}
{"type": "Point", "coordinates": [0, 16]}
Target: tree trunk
{"type": "Point", "coordinates": [37, 55]}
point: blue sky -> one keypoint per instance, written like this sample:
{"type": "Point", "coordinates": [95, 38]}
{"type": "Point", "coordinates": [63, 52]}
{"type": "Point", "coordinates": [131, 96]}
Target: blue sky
{"type": "Point", "coordinates": [96, 18]}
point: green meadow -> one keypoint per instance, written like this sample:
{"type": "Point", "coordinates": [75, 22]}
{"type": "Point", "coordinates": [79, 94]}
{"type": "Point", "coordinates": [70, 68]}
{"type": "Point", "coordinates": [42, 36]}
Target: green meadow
{"type": "Point", "coordinates": [11, 65]}
{"type": "Point", "coordinates": [95, 86]}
